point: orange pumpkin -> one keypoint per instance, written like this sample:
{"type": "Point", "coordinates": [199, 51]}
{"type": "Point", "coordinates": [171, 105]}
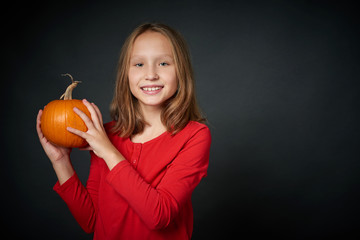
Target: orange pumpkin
{"type": "Point", "coordinates": [59, 114]}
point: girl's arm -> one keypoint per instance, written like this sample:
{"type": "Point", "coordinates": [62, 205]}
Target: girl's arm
{"type": "Point", "coordinates": [59, 156]}
{"type": "Point", "coordinates": [82, 202]}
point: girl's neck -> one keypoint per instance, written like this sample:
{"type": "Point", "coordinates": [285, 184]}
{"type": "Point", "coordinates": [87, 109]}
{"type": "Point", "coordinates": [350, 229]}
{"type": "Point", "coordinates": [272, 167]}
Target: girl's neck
{"type": "Point", "coordinates": [154, 126]}
{"type": "Point", "coordinates": [152, 115]}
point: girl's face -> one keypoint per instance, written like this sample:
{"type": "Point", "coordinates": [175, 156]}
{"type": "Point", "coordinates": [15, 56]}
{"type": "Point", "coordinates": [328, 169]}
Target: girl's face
{"type": "Point", "coordinates": [152, 72]}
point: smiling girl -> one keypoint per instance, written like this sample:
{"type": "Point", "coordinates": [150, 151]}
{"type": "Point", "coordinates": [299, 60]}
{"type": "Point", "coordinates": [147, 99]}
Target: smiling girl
{"type": "Point", "coordinates": [146, 163]}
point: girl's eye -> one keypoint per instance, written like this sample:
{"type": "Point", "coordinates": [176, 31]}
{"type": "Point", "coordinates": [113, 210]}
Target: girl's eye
{"type": "Point", "coordinates": [164, 64]}
{"type": "Point", "coordinates": [139, 65]}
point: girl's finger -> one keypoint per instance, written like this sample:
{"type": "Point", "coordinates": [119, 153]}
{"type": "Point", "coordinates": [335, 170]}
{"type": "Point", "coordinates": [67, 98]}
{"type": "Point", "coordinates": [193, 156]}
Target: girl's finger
{"type": "Point", "coordinates": [88, 122]}
{"type": "Point", "coordinates": [77, 132]}
{"type": "Point", "coordinates": [98, 113]}
{"type": "Point", "coordinates": [41, 136]}
{"type": "Point", "coordinates": [87, 148]}
{"type": "Point", "coordinates": [93, 113]}
{"type": "Point", "coordinates": [38, 125]}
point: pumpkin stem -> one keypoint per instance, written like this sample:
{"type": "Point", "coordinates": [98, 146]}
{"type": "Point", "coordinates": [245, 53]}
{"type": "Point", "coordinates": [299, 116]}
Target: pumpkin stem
{"type": "Point", "coordinates": [68, 93]}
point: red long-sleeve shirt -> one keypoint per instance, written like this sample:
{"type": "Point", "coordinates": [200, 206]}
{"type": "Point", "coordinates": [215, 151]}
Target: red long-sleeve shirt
{"type": "Point", "coordinates": [147, 196]}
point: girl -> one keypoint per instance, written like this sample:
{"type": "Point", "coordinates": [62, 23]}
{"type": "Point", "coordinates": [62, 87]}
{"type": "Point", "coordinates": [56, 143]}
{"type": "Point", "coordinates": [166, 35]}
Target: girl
{"type": "Point", "coordinates": [146, 163]}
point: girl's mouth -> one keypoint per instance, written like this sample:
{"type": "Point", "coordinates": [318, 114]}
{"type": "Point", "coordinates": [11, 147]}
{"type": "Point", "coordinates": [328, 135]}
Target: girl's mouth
{"type": "Point", "coordinates": [151, 90]}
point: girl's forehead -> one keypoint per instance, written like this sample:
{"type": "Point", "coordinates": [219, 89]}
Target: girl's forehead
{"type": "Point", "coordinates": [151, 42]}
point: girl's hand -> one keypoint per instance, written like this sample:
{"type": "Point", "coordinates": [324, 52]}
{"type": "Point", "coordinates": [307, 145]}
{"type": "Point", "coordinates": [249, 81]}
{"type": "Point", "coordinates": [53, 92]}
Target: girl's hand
{"type": "Point", "coordinates": [96, 135]}
{"type": "Point", "coordinates": [55, 153]}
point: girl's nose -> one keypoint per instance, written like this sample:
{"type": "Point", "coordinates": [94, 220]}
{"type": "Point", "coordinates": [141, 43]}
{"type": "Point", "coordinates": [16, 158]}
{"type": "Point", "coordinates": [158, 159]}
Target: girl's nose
{"type": "Point", "coordinates": [152, 75]}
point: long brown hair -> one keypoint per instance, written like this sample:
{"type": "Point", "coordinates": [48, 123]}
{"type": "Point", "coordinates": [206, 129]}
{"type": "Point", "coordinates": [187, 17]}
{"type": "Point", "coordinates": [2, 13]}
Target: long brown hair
{"type": "Point", "coordinates": [178, 110]}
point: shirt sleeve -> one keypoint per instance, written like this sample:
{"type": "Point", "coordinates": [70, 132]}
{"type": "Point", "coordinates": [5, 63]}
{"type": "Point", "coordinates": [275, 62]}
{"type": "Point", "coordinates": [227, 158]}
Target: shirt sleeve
{"type": "Point", "coordinates": [81, 201]}
{"type": "Point", "coordinates": [158, 206]}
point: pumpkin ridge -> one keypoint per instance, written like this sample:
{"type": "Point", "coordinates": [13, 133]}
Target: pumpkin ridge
{"type": "Point", "coordinates": [66, 122]}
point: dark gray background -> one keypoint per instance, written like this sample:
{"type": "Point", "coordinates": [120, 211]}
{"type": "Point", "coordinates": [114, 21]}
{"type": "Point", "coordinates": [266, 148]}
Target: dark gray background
{"type": "Point", "coordinates": [278, 81]}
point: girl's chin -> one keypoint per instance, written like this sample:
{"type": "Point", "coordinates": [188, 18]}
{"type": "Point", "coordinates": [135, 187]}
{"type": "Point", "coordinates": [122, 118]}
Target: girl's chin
{"type": "Point", "coordinates": [152, 104]}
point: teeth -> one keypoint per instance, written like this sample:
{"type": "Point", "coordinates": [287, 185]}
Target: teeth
{"type": "Point", "coordinates": [151, 89]}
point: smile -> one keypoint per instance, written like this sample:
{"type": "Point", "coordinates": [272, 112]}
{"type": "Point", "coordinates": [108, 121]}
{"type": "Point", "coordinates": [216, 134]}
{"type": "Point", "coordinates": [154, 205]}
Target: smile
{"type": "Point", "coordinates": [151, 90]}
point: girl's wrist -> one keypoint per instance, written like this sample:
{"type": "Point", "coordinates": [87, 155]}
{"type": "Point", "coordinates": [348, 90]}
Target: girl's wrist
{"type": "Point", "coordinates": [113, 158]}
{"type": "Point", "coordinates": [60, 162]}
{"type": "Point", "coordinates": [64, 170]}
